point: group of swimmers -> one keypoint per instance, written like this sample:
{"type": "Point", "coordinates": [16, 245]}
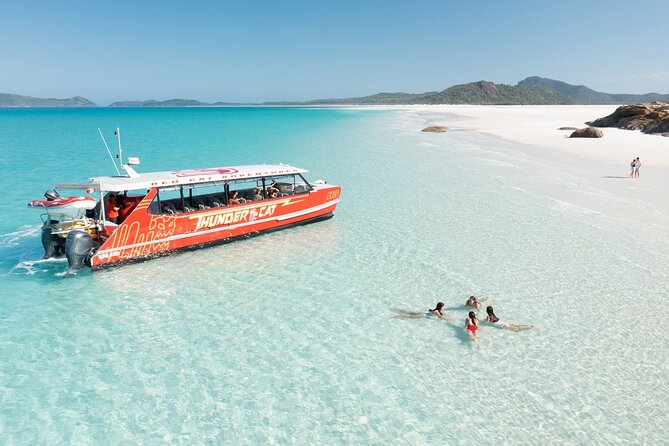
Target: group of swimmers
{"type": "Point", "coordinates": [471, 322]}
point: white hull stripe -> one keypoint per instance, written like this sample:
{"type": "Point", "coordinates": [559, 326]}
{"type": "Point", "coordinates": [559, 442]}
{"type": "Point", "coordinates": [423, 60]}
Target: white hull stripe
{"type": "Point", "coordinates": [223, 228]}
{"type": "Point", "coordinates": [248, 206]}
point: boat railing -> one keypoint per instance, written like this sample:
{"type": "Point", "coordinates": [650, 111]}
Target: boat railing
{"type": "Point", "coordinates": [65, 224]}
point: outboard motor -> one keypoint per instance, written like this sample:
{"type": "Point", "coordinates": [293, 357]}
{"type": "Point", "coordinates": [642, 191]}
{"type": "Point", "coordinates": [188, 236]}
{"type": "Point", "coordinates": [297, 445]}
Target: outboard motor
{"type": "Point", "coordinates": [51, 195]}
{"type": "Point", "coordinates": [53, 244]}
{"type": "Point", "coordinates": [78, 248]}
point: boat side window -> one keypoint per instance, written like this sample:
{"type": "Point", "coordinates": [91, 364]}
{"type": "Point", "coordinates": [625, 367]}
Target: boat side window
{"type": "Point", "coordinates": [245, 191]}
{"type": "Point", "coordinates": [205, 195]}
{"type": "Point", "coordinates": [168, 201]}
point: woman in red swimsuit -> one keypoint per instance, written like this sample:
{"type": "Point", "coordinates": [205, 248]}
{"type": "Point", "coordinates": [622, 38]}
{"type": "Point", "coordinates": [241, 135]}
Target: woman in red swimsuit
{"type": "Point", "coordinates": [472, 327]}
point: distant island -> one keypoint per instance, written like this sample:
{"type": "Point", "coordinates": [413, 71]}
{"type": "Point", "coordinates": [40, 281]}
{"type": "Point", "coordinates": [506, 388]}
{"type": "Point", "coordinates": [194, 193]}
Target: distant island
{"type": "Point", "coordinates": [530, 91]}
{"type": "Point", "coordinates": [15, 100]}
{"type": "Point", "coordinates": [170, 103]}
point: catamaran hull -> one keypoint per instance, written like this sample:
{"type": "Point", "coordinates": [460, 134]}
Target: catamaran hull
{"type": "Point", "coordinates": [145, 236]}
{"type": "Point", "coordinates": [208, 244]}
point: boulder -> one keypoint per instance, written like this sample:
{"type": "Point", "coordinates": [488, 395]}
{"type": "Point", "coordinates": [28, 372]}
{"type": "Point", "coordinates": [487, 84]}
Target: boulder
{"type": "Point", "coordinates": [568, 128]}
{"type": "Point", "coordinates": [649, 118]}
{"type": "Point", "coordinates": [660, 125]}
{"type": "Point", "coordinates": [588, 132]}
{"type": "Point", "coordinates": [436, 129]}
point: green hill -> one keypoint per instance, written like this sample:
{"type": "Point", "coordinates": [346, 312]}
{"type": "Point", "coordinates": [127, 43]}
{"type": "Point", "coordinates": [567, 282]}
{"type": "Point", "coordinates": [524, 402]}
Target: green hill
{"type": "Point", "coordinates": [15, 100]}
{"type": "Point", "coordinates": [585, 95]}
{"type": "Point", "coordinates": [481, 92]}
{"type": "Point", "coordinates": [167, 103]}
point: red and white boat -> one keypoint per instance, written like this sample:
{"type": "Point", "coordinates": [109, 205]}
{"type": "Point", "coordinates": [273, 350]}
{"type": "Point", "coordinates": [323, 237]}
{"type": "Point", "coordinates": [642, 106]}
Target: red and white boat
{"type": "Point", "coordinates": [138, 216]}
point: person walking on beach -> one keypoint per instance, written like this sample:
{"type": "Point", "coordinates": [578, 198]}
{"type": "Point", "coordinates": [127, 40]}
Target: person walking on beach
{"type": "Point", "coordinates": [637, 164]}
{"type": "Point", "coordinates": [632, 165]}
{"type": "Point", "coordinates": [472, 327]}
{"type": "Point", "coordinates": [497, 322]}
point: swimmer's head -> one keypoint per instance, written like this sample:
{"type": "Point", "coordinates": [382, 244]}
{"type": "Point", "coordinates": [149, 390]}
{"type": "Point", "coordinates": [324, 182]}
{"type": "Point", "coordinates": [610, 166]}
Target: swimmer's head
{"type": "Point", "coordinates": [489, 310]}
{"type": "Point", "coordinates": [472, 315]}
{"type": "Point", "coordinates": [439, 306]}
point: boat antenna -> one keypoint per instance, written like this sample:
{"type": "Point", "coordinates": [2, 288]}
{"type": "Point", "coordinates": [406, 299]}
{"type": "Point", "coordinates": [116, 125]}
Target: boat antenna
{"type": "Point", "coordinates": [109, 152]}
{"type": "Point", "coordinates": [117, 132]}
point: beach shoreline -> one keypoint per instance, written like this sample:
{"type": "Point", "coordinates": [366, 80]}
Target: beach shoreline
{"type": "Point", "coordinates": [533, 131]}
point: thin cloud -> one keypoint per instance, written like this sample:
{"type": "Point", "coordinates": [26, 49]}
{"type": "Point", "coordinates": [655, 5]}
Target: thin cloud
{"type": "Point", "coordinates": [662, 76]}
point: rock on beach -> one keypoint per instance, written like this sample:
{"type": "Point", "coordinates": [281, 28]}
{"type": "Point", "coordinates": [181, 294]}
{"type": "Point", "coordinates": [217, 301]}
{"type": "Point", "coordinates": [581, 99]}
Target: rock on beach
{"type": "Point", "coordinates": [436, 129]}
{"type": "Point", "coordinates": [588, 132]}
{"type": "Point", "coordinates": [649, 118]}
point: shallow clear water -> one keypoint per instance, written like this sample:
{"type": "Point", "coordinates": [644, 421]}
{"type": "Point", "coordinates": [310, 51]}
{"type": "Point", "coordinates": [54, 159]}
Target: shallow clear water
{"type": "Point", "coordinates": [286, 338]}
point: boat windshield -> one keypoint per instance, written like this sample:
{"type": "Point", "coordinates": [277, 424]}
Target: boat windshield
{"type": "Point", "coordinates": [118, 205]}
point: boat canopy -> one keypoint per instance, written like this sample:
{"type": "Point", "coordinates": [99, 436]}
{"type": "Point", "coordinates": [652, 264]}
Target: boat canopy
{"type": "Point", "coordinates": [178, 177]}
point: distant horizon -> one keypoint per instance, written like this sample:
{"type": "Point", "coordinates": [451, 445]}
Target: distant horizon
{"type": "Point", "coordinates": [225, 102]}
{"type": "Point", "coordinates": [300, 51]}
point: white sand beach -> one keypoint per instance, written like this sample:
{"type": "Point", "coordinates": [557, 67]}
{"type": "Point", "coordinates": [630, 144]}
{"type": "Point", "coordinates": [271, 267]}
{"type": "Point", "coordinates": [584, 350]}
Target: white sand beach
{"type": "Point", "coordinates": [603, 162]}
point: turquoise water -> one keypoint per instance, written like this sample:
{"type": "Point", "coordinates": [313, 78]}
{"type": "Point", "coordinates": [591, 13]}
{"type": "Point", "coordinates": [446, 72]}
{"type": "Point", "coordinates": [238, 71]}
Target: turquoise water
{"type": "Point", "coordinates": [287, 339]}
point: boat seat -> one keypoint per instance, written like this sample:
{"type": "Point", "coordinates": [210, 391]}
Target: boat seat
{"type": "Point", "coordinates": [200, 204]}
{"type": "Point", "coordinates": [216, 201]}
{"type": "Point", "coordinates": [169, 208]}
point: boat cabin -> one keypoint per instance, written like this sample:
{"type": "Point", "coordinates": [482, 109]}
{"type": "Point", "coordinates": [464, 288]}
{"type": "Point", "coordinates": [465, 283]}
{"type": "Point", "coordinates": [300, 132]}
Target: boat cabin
{"type": "Point", "coordinates": [186, 191]}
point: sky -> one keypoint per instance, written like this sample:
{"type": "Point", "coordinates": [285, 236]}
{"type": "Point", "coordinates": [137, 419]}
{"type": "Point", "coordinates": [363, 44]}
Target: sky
{"type": "Point", "coordinates": [254, 51]}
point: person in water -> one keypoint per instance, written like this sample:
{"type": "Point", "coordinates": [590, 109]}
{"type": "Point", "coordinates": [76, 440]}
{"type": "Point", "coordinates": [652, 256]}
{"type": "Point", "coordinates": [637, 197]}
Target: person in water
{"type": "Point", "coordinates": [437, 311]}
{"type": "Point", "coordinates": [473, 302]}
{"type": "Point", "coordinates": [497, 322]}
{"type": "Point", "coordinates": [472, 327]}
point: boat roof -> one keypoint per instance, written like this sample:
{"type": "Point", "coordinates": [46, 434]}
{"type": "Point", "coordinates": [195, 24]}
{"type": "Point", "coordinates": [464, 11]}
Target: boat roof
{"type": "Point", "coordinates": [149, 180]}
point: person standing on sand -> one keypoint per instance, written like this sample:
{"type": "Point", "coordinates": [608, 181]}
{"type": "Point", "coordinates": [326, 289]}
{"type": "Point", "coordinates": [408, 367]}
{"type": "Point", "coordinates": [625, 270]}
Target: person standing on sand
{"type": "Point", "coordinates": [632, 168]}
{"type": "Point", "coordinates": [637, 164]}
